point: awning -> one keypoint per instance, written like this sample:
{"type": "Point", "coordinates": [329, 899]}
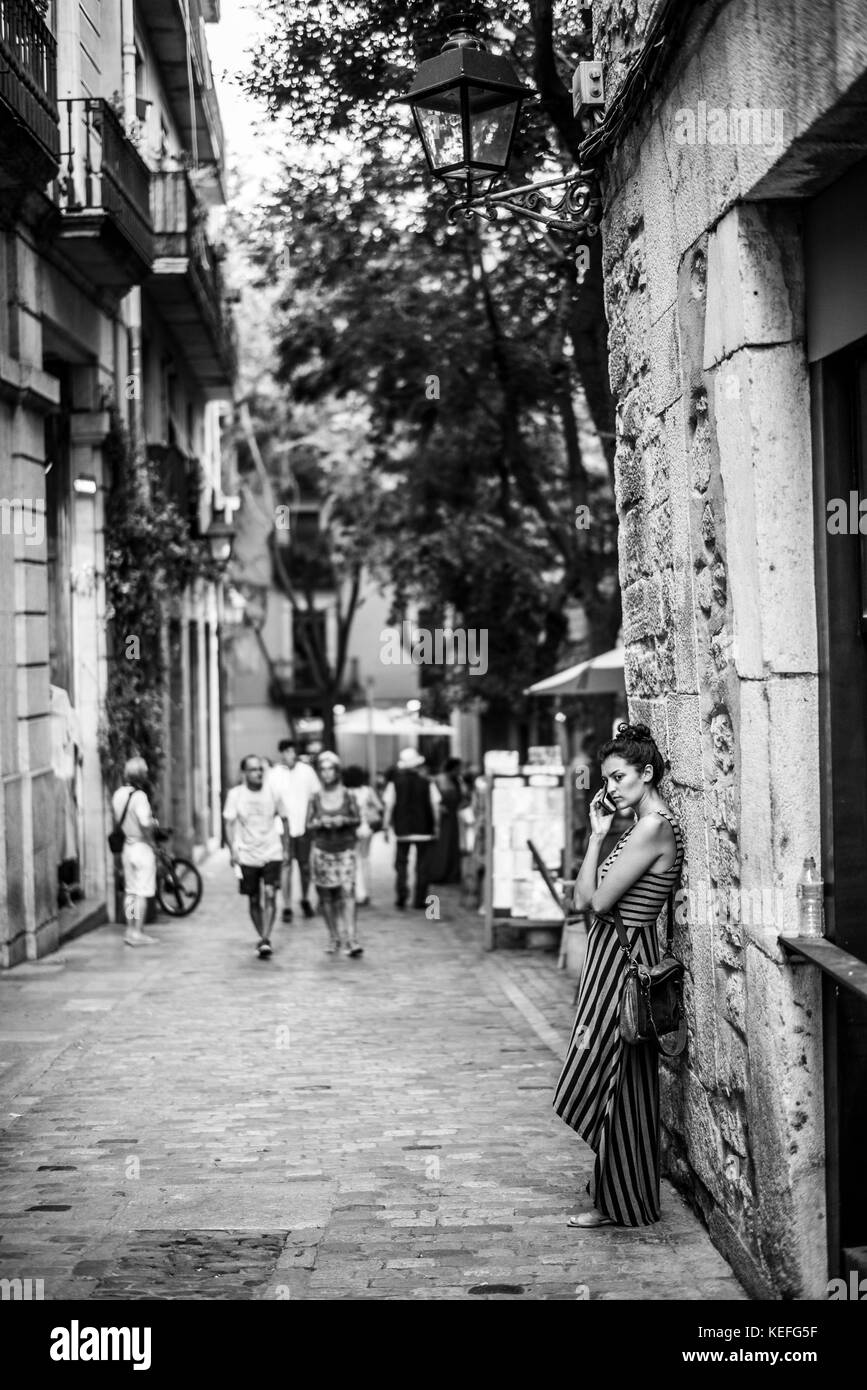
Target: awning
{"type": "Point", "coordinates": [601, 675]}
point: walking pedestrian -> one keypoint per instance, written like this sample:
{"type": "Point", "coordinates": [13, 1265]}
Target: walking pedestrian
{"type": "Point", "coordinates": [469, 898]}
{"type": "Point", "coordinates": [412, 806]}
{"type": "Point", "coordinates": [294, 782]}
{"type": "Point", "coordinates": [371, 810]}
{"type": "Point", "coordinates": [333, 819]}
{"type": "Point", "coordinates": [134, 816]}
{"type": "Point", "coordinates": [608, 1090]}
{"type": "Point", "coordinates": [256, 846]}
{"type": "Point", "coordinates": [445, 859]}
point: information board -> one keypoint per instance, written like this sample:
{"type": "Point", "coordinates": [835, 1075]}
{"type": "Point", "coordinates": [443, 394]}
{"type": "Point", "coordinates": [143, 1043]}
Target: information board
{"type": "Point", "coordinates": [527, 805]}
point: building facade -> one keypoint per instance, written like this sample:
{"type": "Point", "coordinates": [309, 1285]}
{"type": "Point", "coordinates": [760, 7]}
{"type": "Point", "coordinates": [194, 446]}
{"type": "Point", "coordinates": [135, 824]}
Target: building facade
{"type": "Point", "coordinates": [113, 319]}
{"type": "Point", "coordinates": [735, 186]}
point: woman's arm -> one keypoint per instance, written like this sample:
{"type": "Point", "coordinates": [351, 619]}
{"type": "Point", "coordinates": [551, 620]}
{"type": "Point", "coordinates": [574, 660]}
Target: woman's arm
{"type": "Point", "coordinates": [585, 883]}
{"type": "Point", "coordinates": [644, 846]}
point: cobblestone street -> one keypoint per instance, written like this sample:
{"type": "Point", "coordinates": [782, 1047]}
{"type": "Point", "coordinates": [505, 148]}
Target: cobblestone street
{"type": "Point", "coordinates": [188, 1121]}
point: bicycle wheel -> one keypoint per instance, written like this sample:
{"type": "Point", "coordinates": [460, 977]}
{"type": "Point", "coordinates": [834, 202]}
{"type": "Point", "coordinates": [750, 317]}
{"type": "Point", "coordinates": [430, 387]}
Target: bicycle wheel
{"type": "Point", "coordinates": [179, 888]}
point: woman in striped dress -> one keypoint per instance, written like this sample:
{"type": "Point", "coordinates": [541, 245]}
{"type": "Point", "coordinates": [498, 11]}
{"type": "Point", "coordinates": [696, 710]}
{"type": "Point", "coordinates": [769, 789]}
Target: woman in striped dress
{"type": "Point", "coordinates": [609, 1090]}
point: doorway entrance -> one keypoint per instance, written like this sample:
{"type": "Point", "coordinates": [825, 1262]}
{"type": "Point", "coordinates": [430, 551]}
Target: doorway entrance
{"type": "Point", "coordinates": [839, 390]}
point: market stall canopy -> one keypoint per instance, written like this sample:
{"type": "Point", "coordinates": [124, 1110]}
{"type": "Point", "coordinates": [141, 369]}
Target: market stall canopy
{"type": "Point", "coordinates": [601, 675]}
{"type": "Point", "coordinates": [397, 723]}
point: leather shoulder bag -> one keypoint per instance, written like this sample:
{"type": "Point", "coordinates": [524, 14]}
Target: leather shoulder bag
{"type": "Point", "coordinates": [116, 837]}
{"type": "Point", "coordinates": [651, 1005]}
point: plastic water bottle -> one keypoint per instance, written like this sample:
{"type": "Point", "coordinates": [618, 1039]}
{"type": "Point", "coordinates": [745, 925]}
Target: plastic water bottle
{"type": "Point", "coordinates": [811, 902]}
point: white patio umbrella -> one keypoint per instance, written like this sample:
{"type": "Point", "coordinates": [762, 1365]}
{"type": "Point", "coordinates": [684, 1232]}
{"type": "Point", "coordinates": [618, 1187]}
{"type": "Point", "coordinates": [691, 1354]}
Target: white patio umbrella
{"type": "Point", "coordinates": [601, 675]}
{"type": "Point", "coordinates": [372, 724]}
{"type": "Point", "coordinates": [389, 723]}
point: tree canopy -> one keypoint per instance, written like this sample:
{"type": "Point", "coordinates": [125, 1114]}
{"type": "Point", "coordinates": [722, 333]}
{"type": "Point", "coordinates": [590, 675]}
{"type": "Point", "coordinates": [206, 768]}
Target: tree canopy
{"type": "Point", "coordinates": [471, 356]}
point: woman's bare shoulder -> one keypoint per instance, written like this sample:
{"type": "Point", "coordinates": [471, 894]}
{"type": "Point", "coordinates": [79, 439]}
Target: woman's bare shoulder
{"type": "Point", "coordinates": [650, 825]}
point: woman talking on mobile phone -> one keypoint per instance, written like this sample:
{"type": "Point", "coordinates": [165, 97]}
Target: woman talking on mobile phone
{"type": "Point", "coordinates": [609, 1090]}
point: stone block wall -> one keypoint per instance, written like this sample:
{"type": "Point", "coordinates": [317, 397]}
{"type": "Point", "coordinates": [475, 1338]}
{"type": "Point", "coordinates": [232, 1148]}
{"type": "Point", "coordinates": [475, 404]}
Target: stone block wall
{"type": "Point", "coordinates": [705, 304]}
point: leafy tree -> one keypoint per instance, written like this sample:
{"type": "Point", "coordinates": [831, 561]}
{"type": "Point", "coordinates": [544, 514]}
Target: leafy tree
{"type": "Point", "coordinates": [479, 357]}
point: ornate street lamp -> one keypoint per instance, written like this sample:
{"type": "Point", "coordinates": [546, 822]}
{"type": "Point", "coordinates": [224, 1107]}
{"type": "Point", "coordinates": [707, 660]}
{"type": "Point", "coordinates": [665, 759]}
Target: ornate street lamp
{"type": "Point", "coordinates": [220, 536]}
{"type": "Point", "coordinates": [466, 103]}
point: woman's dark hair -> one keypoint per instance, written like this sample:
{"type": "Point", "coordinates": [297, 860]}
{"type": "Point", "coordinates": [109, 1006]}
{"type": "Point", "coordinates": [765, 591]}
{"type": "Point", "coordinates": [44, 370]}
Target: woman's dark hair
{"type": "Point", "coordinates": [635, 744]}
{"type": "Point", "coordinates": [354, 776]}
{"type": "Point", "coordinates": [451, 764]}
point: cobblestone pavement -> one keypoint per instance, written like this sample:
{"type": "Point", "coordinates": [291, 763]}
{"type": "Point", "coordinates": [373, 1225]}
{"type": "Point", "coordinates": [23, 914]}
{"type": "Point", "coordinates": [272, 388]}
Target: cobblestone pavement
{"type": "Point", "coordinates": [187, 1121]}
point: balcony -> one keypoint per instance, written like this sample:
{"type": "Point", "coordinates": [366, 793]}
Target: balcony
{"type": "Point", "coordinates": [29, 123]}
{"type": "Point", "coordinates": [181, 55]}
{"type": "Point", "coordinates": [186, 286]}
{"type": "Point", "coordinates": [104, 195]}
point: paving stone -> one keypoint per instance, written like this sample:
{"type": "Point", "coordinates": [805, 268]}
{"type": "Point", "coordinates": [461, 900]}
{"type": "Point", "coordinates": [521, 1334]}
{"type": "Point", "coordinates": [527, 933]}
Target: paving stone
{"type": "Point", "coordinates": [197, 1123]}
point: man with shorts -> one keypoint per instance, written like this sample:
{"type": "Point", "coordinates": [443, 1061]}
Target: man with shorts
{"type": "Point", "coordinates": [256, 846]}
{"type": "Point", "coordinates": [294, 782]}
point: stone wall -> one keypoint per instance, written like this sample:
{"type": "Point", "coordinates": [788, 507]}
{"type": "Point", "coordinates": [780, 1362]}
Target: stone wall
{"type": "Point", "coordinates": [704, 278]}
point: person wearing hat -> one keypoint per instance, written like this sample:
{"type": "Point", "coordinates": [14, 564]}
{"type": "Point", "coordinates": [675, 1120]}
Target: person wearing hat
{"type": "Point", "coordinates": [333, 819]}
{"type": "Point", "coordinates": [412, 809]}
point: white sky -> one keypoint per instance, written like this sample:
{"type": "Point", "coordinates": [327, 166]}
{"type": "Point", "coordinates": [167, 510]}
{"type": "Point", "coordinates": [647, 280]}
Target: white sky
{"type": "Point", "coordinates": [252, 141]}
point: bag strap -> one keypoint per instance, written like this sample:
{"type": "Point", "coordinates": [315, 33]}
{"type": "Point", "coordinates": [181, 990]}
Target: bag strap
{"type": "Point", "coordinates": [119, 823]}
{"type": "Point", "coordinates": [621, 933]}
{"type": "Point", "coordinates": [669, 925]}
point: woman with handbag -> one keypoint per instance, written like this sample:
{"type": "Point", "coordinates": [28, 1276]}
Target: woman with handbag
{"type": "Point", "coordinates": [133, 838]}
{"type": "Point", "coordinates": [609, 1088]}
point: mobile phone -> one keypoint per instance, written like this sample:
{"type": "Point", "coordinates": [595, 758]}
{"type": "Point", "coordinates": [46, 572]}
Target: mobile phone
{"type": "Point", "coordinates": [607, 804]}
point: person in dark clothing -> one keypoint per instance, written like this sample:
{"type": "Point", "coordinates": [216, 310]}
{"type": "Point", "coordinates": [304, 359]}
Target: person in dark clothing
{"type": "Point", "coordinates": [445, 864]}
{"type": "Point", "coordinates": [412, 810]}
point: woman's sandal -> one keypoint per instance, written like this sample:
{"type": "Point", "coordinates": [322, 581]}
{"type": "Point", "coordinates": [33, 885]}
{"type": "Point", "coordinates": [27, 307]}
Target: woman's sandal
{"type": "Point", "coordinates": [589, 1220]}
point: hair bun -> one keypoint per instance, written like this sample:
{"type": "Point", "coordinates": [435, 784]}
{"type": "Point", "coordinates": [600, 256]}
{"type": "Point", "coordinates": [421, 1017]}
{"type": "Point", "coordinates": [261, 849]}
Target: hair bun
{"type": "Point", "coordinates": [634, 731]}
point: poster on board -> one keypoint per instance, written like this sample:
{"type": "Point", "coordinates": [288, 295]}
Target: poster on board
{"type": "Point", "coordinates": [527, 803]}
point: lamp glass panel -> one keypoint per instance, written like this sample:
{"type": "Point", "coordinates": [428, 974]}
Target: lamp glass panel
{"type": "Point", "coordinates": [442, 132]}
{"type": "Point", "coordinates": [492, 122]}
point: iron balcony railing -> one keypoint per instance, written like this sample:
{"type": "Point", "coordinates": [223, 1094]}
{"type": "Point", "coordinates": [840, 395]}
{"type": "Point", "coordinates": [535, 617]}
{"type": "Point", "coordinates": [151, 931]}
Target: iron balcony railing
{"type": "Point", "coordinates": [179, 222]}
{"type": "Point", "coordinates": [102, 171]}
{"type": "Point", "coordinates": [28, 70]}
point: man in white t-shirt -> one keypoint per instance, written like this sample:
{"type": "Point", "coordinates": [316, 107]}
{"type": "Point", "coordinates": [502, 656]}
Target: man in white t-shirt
{"type": "Point", "coordinates": [256, 846]}
{"type": "Point", "coordinates": [295, 782]}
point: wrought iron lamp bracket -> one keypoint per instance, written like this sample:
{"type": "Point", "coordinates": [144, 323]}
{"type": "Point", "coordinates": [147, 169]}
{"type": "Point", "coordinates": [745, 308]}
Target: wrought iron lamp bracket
{"type": "Point", "coordinates": [577, 211]}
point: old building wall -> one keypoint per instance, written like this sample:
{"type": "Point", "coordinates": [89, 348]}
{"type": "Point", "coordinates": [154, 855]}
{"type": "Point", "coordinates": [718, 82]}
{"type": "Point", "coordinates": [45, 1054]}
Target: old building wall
{"type": "Point", "coordinates": [705, 303]}
{"type": "Point", "coordinates": [28, 909]}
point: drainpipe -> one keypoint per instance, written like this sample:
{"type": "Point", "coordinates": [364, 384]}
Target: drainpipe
{"type": "Point", "coordinates": [134, 386]}
{"type": "Point", "coordinates": [127, 22]}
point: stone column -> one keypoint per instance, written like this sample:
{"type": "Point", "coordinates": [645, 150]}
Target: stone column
{"type": "Point", "coordinates": [88, 430]}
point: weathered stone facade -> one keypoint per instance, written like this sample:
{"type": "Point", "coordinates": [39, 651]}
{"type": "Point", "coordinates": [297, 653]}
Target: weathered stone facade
{"type": "Point", "coordinates": [705, 294]}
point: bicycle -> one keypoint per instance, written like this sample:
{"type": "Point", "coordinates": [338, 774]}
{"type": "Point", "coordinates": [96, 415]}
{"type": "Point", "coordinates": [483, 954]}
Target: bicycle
{"type": "Point", "coordinates": [179, 883]}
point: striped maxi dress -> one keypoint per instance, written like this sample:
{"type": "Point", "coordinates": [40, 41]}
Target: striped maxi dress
{"type": "Point", "coordinates": [609, 1090]}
